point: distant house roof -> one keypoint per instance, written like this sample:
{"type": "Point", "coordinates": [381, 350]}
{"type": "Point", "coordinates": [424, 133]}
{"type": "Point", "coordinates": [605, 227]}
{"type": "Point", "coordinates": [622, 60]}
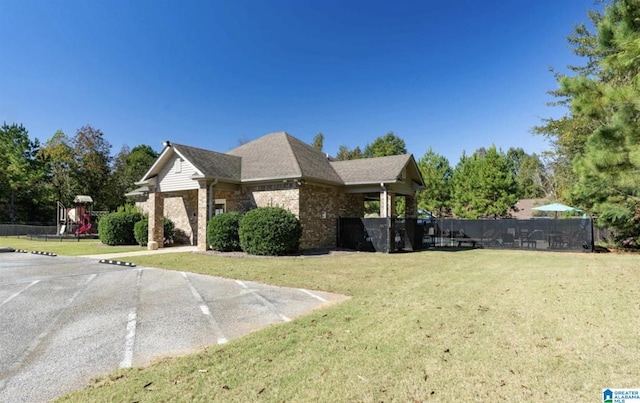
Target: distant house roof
{"type": "Point", "coordinates": [523, 208]}
{"type": "Point", "coordinates": [279, 156]}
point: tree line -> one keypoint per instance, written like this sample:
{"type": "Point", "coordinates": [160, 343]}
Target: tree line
{"type": "Point", "coordinates": [485, 184]}
{"type": "Point", "coordinates": [35, 176]}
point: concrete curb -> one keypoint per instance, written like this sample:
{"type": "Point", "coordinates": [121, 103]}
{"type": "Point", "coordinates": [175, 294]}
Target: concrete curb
{"type": "Point", "coordinates": [117, 262]}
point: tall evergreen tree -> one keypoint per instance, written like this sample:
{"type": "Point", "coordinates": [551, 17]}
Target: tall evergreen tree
{"type": "Point", "coordinates": [484, 186]}
{"type": "Point", "coordinates": [21, 174]}
{"type": "Point", "coordinates": [437, 174]}
{"type": "Point", "coordinates": [318, 141]}
{"type": "Point", "coordinates": [600, 137]}
{"type": "Point", "coordinates": [386, 145]}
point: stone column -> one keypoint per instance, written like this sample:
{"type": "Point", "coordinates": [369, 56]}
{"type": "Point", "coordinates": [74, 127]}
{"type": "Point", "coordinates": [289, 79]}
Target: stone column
{"type": "Point", "coordinates": [387, 204]}
{"type": "Point", "coordinates": [410, 209]}
{"type": "Point", "coordinates": [156, 222]}
{"type": "Point", "coordinates": [201, 239]}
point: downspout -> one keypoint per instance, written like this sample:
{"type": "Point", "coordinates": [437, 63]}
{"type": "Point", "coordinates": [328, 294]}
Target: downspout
{"type": "Point", "coordinates": [210, 198]}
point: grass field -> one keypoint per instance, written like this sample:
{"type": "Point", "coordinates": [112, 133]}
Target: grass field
{"type": "Point", "coordinates": [478, 325]}
{"type": "Point", "coordinates": [67, 247]}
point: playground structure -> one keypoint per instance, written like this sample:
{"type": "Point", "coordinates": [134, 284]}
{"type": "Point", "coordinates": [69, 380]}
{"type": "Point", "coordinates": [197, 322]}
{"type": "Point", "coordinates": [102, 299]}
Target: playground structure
{"type": "Point", "coordinates": [75, 220]}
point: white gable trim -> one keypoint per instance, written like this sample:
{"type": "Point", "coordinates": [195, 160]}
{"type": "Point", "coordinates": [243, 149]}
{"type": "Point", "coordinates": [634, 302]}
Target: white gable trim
{"type": "Point", "coordinates": [167, 156]}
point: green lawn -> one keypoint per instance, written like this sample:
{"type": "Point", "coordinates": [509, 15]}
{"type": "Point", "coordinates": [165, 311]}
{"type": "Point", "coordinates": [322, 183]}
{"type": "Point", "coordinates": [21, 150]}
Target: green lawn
{"type": "Point", "coordinates": [67, 247]}
{"type": "Point", "coordinates": [477, 325]}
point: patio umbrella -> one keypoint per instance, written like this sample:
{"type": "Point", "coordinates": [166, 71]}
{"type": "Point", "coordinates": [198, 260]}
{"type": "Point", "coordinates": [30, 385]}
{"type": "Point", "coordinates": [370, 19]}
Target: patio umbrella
{"type": "Point", "coordinates": [556, 207]}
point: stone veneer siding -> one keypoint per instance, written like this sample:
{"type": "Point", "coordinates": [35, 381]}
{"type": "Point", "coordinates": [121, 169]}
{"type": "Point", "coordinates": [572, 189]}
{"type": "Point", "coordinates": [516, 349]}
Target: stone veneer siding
{"type": "Point", "coordinates": [182, 209]}
{"type": "Point", "coordinates": [320, 208]}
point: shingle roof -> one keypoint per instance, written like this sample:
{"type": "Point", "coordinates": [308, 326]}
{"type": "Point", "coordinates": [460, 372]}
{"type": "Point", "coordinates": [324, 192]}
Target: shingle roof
{"type": "Point", "coordinates": [211, 163]}
{"type": "Point", "coordinates": [280, 155]}
{"type": "Point", "coordinates": [371, 170]}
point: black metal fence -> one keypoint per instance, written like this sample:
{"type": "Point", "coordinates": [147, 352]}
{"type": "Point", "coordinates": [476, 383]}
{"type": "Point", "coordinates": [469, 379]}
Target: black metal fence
{"type": "Point", "coordinates": [20, 229]}
{"type": "Point", "coordinates": [538, 233]}
{"type": "Point", "coordinates": [386, 235]}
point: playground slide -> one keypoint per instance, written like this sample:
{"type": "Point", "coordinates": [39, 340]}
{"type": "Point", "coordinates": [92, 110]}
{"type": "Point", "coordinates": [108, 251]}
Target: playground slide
{"type": "Point", "coordinates": [86, 225]}
{"type": "Point", "coordinates": [84, 229]}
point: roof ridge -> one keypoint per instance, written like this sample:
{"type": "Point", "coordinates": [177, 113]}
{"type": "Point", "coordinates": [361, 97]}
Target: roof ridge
{"type": "Point", "coordinates": [288, 138]}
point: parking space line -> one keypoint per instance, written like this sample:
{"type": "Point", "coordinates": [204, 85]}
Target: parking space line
{"type": "Point", "coordinates": [319, 298]}
{"type": "Point", "coordinates": [132, 321]}
{"type": "Point", "coordinates": [13, 369]}
{"type": "Point", "coordinates": [205, 310]}
{"type": "Point", "coordinates": [129, 341]}
{"type": "Point", "coordinates": [264, 301]}
{"type": "Point", "coordinates": [19, 292]}
{"type": "Point", "coordinates": [269, 305]}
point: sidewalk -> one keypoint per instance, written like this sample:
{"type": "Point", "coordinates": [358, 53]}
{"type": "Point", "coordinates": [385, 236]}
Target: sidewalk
{"type": "Point", "coordinates": [172, 249]}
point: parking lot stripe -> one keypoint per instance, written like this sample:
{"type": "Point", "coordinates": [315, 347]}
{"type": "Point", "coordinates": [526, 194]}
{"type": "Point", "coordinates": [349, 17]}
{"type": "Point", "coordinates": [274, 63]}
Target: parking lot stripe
{"type": "Point", "coordinates": [130, 337]}
{"type": "Point", "coordinates": [130, 340]}
{"type": "Point", "coordinates": [264, 301]}
{"type": "Point", "coordinates": [19, 292]}
{"type": "Point", "coordinates": [269, 305]}
{"type": "Point", "coordinates": [319, 298]}
{"type": "Point", "coordinates": [43, 335]}
{"type": "Point", "coordinates": [205, 310]}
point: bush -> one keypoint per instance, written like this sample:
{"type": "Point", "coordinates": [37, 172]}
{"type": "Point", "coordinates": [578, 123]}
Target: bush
{"type": "Point", "coordinates": [141, 231]}
{"type": "Point", "coordinates": [222, 232]}
{"type": "Point", "coordinates": [270, 231]}
{"type": "Point", "coordinates": [118, 228]}
{"type": "Point", "coordinates": [169, 230]}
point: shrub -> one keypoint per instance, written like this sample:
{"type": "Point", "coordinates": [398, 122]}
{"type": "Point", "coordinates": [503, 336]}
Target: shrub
{"type": "Point", "coordinates": [269, 231]}
{"type": "Point", "coordinates": [222, 232]}
{"type": "Point", "coordinates": [118, 228]}
{"type": "Point", "coordinates": [169, 230]}
{"type": "Point", "coordinates": [141, 231]}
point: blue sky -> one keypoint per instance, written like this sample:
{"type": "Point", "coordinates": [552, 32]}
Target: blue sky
{"type": "Point", "coordinates": [453, 76]}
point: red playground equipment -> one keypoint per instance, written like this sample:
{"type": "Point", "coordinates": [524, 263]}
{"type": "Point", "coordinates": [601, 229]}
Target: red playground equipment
{"type": "Point", "coordinates": [85, 226]}
{"type": "Point", "coordinates": [76, 220]}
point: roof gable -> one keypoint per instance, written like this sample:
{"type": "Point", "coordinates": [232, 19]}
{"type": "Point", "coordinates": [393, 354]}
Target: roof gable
{"type": "Point", "coordinates": [378, 170]}
{"type": "Point", "coordinates": [208, 164]}
{"type": "Point", "coordinates": [281, 156]}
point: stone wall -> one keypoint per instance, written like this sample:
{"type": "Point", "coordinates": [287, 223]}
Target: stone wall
{"type": "Point", "coordinates": [287, 198]}
{"type": "Point", "coordinates": [320, 207]}
{"type": "Point", "coordinates": [182, 209]}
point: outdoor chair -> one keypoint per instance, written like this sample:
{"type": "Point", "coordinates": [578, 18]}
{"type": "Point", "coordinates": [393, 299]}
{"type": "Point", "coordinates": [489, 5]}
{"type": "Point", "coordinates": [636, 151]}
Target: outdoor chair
{"type": "Point", "coordinates": [508, 239]}
{"type": "Point", "coordinates": [527, 239]}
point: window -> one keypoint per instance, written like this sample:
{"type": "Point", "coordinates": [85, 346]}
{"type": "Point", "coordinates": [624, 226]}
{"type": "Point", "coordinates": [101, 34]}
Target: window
{"type": "Point", "coordinates": [220, 206]}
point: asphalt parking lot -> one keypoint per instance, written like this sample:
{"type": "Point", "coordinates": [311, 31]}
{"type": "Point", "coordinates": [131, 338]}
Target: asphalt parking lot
{"type": "Point", "coordinates": [65, 320]}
